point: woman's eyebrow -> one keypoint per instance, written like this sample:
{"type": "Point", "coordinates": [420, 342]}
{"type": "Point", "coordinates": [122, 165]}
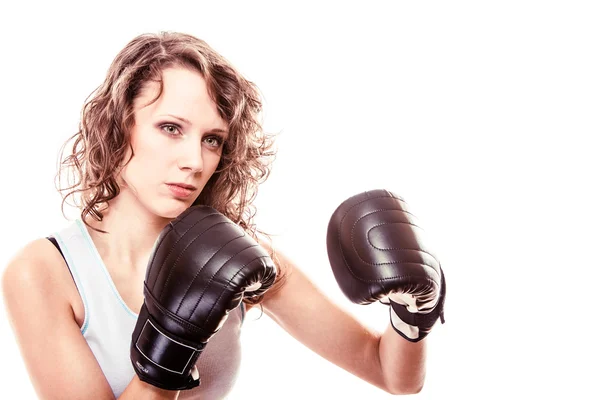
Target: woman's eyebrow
{"type": "Point", "coordinates": [188, 122]}
{"type": "Point", "coordinates": [184, 120]}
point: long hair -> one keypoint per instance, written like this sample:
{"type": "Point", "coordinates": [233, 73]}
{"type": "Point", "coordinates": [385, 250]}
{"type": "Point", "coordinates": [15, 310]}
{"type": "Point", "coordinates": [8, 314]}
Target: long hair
{"type": "Point", "coordinates": [107, 116]}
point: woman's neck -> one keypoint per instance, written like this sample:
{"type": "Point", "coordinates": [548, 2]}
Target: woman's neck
{"type": "Point", "coordinates": [131, 233]}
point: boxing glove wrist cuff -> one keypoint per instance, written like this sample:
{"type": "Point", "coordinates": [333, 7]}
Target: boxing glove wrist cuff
{"type": "Point", "coordinates": [164, 350]}
{"type": "Point", "coordinates": [415, 326]}
{"type": "Point", "coordinates": [160, 358]}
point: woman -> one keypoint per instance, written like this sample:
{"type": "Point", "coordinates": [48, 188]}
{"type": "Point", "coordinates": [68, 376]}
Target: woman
{"type": "Point", "coordinates": [173, 125]}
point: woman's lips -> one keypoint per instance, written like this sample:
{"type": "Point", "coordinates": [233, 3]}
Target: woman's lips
{"type": "Point", "coordinates": [180, 191]}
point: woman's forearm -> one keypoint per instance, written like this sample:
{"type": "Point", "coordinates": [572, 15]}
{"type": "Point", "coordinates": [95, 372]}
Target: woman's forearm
{"type": "Point", "coordinates": [402, 362]}
{"type": "Point", "coordinates": [138, 389]}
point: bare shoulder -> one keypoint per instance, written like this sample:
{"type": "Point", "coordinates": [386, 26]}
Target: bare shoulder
{"type": "Point", "coordinates": [37, 269]}
{"type": "Point", "coordinates": [266, 242]}
{"type": "Point", "coordinates": [34, 264]}
{"type": "Point", "coordinates": [284, 265]}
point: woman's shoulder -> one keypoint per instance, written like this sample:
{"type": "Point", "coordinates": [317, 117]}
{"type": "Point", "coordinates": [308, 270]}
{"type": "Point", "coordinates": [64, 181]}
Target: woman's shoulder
{"type": "Point", "coordinates": [35, 269]}
{"type": "Point", "coordinates": [285, 266]}
{"type": "Point", "coordinates": [267, 243]}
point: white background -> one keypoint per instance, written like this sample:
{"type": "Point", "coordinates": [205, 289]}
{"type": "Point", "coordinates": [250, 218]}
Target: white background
{"type": "Point", "coordinates": [483, 116]}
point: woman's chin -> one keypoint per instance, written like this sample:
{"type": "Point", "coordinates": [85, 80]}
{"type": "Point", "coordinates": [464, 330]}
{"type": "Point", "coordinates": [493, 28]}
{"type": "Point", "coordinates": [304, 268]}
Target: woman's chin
{"type": "Point", "coordinates": [172, 211]}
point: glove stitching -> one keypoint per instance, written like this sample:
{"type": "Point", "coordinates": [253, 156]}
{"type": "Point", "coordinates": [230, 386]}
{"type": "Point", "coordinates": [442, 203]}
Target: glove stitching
{"type": "Point", "coordinates": [339, 230]}
{"type": "Point", "coordinates": [394, 248]}
{"type": "Point", "coordinates": [391, 248]}
{"type": "Point", "coordinates": [179, 219]}
{"type": "Point", "coordinates": [231, 279]}
{"type": "Point", "coordinates": [175, 318]}
{"type": "Point", "coordinates": [181, 253]}
{"type": "Point", "coordinates": [207, 283]}
{"type": "Point", "coordinates": [163, 236]}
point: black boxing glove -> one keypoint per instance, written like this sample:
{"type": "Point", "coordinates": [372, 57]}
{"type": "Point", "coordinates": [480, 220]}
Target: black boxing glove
{"type": "Point", "coordinates": [202, 267]}
{"type": "Point", "coordinates": [377, 252]}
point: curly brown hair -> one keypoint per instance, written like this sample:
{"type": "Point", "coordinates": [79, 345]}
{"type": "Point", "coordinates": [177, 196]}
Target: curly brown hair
{"type": "Point", "coordinates": [107, 116]}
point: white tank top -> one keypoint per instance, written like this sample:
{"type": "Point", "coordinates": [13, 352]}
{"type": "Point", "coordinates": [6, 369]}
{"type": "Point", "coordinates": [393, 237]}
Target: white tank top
{"type": "Point", "coordinates": [109, 323]}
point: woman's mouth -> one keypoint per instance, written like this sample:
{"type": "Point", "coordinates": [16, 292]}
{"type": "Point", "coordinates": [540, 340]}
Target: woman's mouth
{"type": "Point", "coordinates": [181, 190]}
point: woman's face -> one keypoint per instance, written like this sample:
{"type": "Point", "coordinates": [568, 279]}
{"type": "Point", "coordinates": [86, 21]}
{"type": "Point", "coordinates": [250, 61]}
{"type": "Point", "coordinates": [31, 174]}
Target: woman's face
{"type": "Point", "coordinates": [177, 143]}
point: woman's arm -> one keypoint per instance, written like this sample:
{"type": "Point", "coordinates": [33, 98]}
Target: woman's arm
{"type": "Point", "coordinates": [58, 359]}
{"type": "Point", "coordinates": [386, 360]}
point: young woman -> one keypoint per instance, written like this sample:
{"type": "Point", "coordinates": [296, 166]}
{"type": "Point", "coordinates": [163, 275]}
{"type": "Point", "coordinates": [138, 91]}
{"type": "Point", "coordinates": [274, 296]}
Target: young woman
{"type": "Point", "coordinates": [172, 127]}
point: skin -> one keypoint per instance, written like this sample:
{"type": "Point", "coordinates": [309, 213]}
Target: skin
{"type": "Point", "coordinates": [40, 295]}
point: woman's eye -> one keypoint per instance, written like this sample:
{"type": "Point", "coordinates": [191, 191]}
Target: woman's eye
{"type": "Point", "coordinates": [214, 141]}
{"type": "Point", "coordinates": [171, 129]}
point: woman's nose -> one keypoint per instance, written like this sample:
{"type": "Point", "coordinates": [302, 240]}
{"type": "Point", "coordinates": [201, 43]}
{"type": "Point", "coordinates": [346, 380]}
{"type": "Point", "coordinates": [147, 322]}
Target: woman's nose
{"type": "Point", "coordinates": [191, 158]}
